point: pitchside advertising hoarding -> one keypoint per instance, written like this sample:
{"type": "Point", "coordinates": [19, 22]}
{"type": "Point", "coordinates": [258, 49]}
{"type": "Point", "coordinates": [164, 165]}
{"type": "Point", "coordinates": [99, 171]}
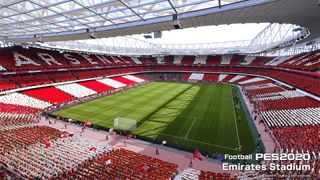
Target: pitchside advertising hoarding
{"type": "Point", "coordinates": [285, 162]}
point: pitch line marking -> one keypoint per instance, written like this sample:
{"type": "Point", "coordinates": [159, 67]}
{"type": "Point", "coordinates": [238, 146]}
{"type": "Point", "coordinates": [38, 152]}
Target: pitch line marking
{"type": "Point", "coordinates": [194, 119]}
{"type": "Point", "coordinates": [235, 149]}
{"type": "Point", "coordinates": [234, 115]}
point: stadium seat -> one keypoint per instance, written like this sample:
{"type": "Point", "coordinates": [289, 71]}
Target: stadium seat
{"type": "Point", "coordinates": [76, 90]}
{"type": "Point", "coordinates": [49, 94]}
{"type": "Point", "coordinates": [124, 80]}
{"type": "Point", "coordinates": [112, 83]}
{"type": "Point", "coordinates": [23, 100]}
{"type": "Point", "coordinates": [6, 84]}
{"type": "Point", "coordinates": [96, 86]}
{"type": "Point", "coordinates": [125, 164]}
{"type": "Point", "coordinates": [210, 77]}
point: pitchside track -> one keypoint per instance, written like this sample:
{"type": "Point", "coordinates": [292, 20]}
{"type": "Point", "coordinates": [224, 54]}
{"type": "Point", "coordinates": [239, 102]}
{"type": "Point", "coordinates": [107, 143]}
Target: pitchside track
{"type": "Point", "coordinates": [200, 116]}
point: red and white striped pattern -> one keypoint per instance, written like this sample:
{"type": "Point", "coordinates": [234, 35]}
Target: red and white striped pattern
{"type": "Point", "coordinates": [76, 90]}
{"type": "Point", "coordinates": [112, 83]}
{"type": "Point", "coordinates": [23, 100]}
{"type": "Point", "coordinates": [134, 78]}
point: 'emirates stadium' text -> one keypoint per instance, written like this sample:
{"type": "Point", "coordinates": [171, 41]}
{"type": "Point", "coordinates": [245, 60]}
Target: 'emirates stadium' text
{"type": "Point", "coordinates": [271, 166]}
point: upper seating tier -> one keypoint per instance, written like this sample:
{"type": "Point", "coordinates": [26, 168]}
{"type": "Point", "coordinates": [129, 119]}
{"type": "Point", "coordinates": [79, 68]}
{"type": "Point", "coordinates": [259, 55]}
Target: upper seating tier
{"type": "Point", "coordinates": [20, 59]}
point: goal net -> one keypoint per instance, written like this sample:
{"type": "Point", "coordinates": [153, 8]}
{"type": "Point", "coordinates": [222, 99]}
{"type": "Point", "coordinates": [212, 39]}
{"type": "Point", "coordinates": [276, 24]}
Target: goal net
{"type": "Point", "coordinates": [127, 124]}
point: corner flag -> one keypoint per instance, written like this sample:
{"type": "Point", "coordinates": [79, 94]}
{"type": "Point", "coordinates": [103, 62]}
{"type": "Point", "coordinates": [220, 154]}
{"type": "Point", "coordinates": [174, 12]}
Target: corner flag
{"type": "Point", "coordinates": [197, 155]}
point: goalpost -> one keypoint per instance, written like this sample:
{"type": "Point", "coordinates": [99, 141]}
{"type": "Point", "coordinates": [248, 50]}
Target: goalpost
{"type": "Point", "coordinates": [126, 124]}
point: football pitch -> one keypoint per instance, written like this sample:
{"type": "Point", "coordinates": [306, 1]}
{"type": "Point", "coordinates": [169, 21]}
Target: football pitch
{"type": "Point", "coordinates": [200, 116]}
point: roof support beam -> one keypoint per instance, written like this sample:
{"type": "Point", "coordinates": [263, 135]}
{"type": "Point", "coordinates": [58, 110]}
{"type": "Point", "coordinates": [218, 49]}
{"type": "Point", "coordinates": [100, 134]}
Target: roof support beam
{"type": "Point", "coordinates": [97, 14]}
{"type": "Point", "coordinates": [175, 10]}
{"type": "Point", "coordinates": [134, 12]}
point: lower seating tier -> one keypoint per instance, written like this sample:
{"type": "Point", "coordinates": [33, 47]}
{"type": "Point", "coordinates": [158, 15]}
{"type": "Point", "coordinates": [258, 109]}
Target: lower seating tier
{"type": "Point", "coordinates": [124, 80]}
{"type": "Point", "coordinates": [125, 164]}
{"type": "Point", "coordinates": [291, 117]}
{"type": "Point", "coordinates": [298, 138]}
{"type": "Point", "coordinates": [291, 103]}
{"type": "Point", "coordinates": [17, 109]}
{"type": "Point", "coordinates": [49, 94]}
{"type": "Point", "coordinates": [23, 137]}
{"type": "Point", "coordinates": [76, 90]}
{"type": "Point", "coordinates": [96, 86]}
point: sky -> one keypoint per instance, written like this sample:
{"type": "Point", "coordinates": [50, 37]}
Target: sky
{"type": "Point", "coordinates": [207, 34]}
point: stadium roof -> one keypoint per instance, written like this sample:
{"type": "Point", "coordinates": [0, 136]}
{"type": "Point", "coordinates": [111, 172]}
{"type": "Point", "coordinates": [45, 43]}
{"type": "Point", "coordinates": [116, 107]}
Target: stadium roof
{"type": "Point", "coordinates": [37, 17]}
{"type": "Point", "coordinates": [60, 20]}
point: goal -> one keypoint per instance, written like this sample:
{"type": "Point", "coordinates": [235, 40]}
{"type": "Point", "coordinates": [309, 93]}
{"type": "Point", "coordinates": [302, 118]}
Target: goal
{"type": "Point", "coordinates": [126, 124]}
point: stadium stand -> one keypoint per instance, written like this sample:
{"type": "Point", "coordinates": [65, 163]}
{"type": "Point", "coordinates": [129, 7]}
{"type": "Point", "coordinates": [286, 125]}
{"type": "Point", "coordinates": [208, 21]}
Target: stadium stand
{"type": "Point", "coordinates": [17, 109]}
{"type": "Point", "coordinates": [76, 90]}
{"type": "Point", "coordinates": [23, 100]}
{"type": "Point", "coordinates": [134, 78]}
{"type": "Point", "coordinates": [228, 78]}
{"type": "Point", "coordinates": [96, 86]}
{"type": "Point", "coordinates": [226, 59]}
{"type": "Point", "coordinates": [213, 60]}
{"type": "Point", "coordinates": [125, 164]}
{"type": "Point", "coordinates": [99, 73]}
{"type": "Point", "coordinates": [260, 86]}
{"type": "Point", "coordinates": [162, 76]}
{"type": "Point", "coordinates": [12, 121]}
{"type": "Point", "coordinates": [140, 78]}
{"type": "Point", "coordinates": [210, 77]}
{"type": "Point", "coordinates": [298, 138]}
{"type": "Point", "coordinates": [2, 68]}
{"type": "Point", "coordinates": [14, 116]}
{"type": "Point", "coordinates": [255, 81]}
{"type": "Point", "coordinates": [31, 80]}
{"type": "Point", "coordinates": [265, 89]}
{"type": "Point", "coordinates": [302, 139]}
{"type": "Point", "coordinates": [23, 137]}
{"type": "Point", "coordinates": [123, 80]}
{"type": "Point", "coordinates": [190, 173]}
{"type": "Point", "coordinates": [200, 60]}
{"type": "Point", "coordinates": [62, 76]}
{"type": "Point", "coordinates": [6, 84]}
{"type": "Point", "coordinates": [16, 57]}
{"type": "Point", "coordinates": [292, 117]}
{"type": "Point", "coordinates": [64, 154]}
{"type": "Point", "coordinates": [196, 76]}
{"type": "Point", "coordinates": [83, 74]}
{"type": "Point", "coordinates": [212, 175]}
{"type": "Point", "coordinates": [236, 78]}
{"type": "Point", "coordinates": [112, 83]}
{"type": "Point", "coordinates": [291, 103]}
{"type": "Point", "coordinates": [242, 79]}
{"type": "Point", "coordinates": [49, 94]}
{"type": "Point", "coordinates": [32, 60]}
{"type": "Point", "coordinates": [186, 76]}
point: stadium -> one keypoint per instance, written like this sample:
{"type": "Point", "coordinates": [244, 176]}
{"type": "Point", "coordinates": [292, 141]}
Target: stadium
{"type": "Point", "coordinates": [160, 89]}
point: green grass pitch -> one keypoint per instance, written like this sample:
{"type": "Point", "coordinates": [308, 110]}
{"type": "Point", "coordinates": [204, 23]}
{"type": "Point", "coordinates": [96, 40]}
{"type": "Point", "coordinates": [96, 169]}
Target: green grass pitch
{"type": "Point", "coordinates": [200, 116]}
